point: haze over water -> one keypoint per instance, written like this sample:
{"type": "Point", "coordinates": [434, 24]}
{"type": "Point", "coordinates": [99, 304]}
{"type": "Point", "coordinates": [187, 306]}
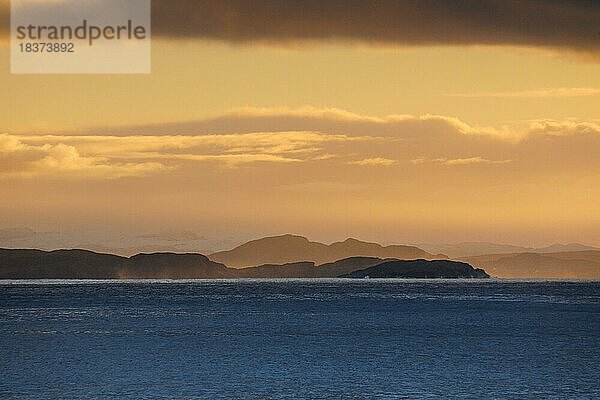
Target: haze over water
{"type": "Point", "coordinates": [300, 339]}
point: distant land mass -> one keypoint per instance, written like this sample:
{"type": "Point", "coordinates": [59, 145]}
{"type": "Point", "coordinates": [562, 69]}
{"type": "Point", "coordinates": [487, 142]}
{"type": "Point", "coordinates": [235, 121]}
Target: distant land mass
{"type": "Point", "coordinates": [419, 269]}
{"type": "Point", "coordinates": [291, 248]}
{"type": "Point", "coordinates": [560, 265]}
{"type": "Point", "coordinates": [308, 269]}
{"type": "Point", "coordinates": [83, 264]}
{"type": "Point", "coordinates": [291, 256]}
{"type": "Point", "coordinates": [470, 249]}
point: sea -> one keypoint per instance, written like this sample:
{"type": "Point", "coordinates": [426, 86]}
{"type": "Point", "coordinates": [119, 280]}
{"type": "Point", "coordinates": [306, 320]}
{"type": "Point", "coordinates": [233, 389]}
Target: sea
{"type": "Point", "coordinates": [300, 339]}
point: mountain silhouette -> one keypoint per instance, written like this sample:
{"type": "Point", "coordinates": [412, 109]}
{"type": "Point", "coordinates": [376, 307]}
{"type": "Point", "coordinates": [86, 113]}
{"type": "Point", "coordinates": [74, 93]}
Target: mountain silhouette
{"type": "Point", "coordinates": [304, 269]}
{"type": "Point", "coordinates": [291, 248]}
{"type": "Point", "coordinates": [563, 248]}
{"type": "Point", "coordinates": [572, 264]}
{"type": "Point", "coordinates": [308, 269]}
{"type": "Point", "coordinates": [471, 249]}
{"type": "Point", "coordinates": [83, 264]}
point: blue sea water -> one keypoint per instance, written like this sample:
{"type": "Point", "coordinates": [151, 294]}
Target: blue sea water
{"type": "Point", "coordinates": [300, 339]}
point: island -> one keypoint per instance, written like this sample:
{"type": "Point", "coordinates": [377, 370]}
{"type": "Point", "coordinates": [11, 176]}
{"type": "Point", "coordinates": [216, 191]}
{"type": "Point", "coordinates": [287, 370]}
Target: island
{"type": "Point", "coordinates": [419, 269]}
{"type": "Point", "coordinates": [83, 264]}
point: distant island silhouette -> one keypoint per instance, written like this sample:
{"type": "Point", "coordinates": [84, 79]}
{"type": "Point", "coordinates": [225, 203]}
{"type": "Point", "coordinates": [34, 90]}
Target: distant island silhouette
{"type": "Point", "coordinates": [419, 269]}
{"type": "Point", "coordinates": [292, 256]}
{"type": "Point", "coordinates": [292, 248]}
{"type": "Point", "coordinates": [83, 264]}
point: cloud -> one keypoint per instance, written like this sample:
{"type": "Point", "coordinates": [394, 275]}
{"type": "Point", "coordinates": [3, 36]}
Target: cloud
{"type": "Point", "coordinates": [333, 139]}
{"type": "Point", "coordinates": [377, 161]}
{"type": "Point", "coordinates": [233, 147]}
{"type": "Point", "coordinates": [457, 161]}
{"type": "Point", "coordinates": [541, 93]}
{"type": "Point", "coordinates": [563, 128]}
{"type": "Point", "coordinates": [305, 119]}
{"type": "Point", "coordinates": [136, 155]}
{"type": "Point", "coordinates": [18, 159]}
{"type": "Point", "coordinates": [4, 18]}
{"type": "Point", "coordinates": [409, 22]}
{"type": "Point", "coordinates": [473, 160]}
{"type": "Point", "coordinates": [565, 24]}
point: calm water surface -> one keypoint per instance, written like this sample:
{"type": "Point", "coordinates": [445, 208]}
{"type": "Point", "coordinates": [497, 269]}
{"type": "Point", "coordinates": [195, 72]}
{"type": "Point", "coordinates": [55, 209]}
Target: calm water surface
{"type": "Point", "coordinates": [291, 339]}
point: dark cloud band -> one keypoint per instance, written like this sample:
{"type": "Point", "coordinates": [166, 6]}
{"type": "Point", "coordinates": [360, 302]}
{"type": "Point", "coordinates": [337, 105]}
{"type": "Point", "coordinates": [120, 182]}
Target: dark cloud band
{"type": "Point", "coordinates": [541, 23]}
{"type": "Point", "coordinates": [566, 24]}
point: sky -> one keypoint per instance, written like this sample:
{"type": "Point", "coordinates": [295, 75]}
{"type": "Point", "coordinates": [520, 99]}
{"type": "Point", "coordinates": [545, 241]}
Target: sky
{"type": "Point", "coordinates": [396, 122]}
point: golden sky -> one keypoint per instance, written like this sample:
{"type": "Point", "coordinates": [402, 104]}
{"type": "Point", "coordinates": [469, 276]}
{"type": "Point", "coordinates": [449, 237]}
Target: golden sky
{"type": "Point", "coordinates": [328, 133]}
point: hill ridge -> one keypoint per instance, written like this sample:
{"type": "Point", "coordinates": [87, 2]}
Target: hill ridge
{"type": "Point", "coordinates": [289, 248]}
{"type": "Point", "coordinates": [83, 264]}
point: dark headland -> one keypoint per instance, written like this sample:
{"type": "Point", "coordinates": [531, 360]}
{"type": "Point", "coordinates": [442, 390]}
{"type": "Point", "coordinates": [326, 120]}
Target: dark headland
{"type": "Point", "coordinates": [419, 269]}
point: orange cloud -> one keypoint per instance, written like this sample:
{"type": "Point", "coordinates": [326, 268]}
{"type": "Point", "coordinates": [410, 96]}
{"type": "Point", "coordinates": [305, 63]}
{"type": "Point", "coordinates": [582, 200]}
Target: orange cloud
{"type": "Point", "coordinates": [377, 161]}
{"type": "Point", "coordinates": [334, 137]}
{"type": "Point", "coordinates": [18, 159]}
